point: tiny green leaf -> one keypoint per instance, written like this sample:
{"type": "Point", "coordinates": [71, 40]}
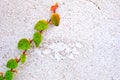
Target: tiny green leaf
{"type": "Point", "coordinates": [8, 75]}
{"type": "Point", "coordinates": [23, 58]}
{"type": "Point", "coordinates": [37, 38]}
{"type": "Point", "coordinates": [55, 19]}
{"type": "Point", "coordinates": [1, 77]}
{"type": "Point", "coordinates": [41, 25]}
{"type": "Point", "coordinates": [23, 44]}
{"type": "Point", "coordinates": [12, 64]}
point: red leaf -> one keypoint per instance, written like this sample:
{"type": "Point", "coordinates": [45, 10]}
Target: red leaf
{"type": "Point", "coordinates": [54, 7]}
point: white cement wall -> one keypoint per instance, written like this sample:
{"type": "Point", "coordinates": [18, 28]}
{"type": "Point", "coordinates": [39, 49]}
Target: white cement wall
{"type": "Point", "coordinates": [86, 45]}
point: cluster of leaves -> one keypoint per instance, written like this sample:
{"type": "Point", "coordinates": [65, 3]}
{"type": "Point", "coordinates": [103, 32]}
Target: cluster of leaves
{"type": "Point", "coordinates": [25, 44]}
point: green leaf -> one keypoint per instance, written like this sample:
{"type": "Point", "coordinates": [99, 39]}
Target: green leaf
{"type": "Point", "coordinates": [23, 44]}
{"type": "Point", "coordinates": [23, 58]}
{"type": "Point", "coordinates": [41, 25]}
{"type": "Point", "coordinates": [12, 64]}
{"type": "Point", "coordinates": [1, 77]}
{"type": "Point", "coordinates": [37, 38]}
{"type": "Point", "coordinates": [55, 19]}
{"type": "Point", "coordinates": [8, 75]}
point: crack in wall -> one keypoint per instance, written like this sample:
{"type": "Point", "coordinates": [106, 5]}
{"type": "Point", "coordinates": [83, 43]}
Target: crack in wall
{"type": "Point", "coordinates": [98, 7]}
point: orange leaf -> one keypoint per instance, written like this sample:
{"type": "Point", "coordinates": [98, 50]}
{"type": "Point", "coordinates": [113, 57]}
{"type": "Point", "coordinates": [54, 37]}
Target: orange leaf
{"type": "Point", "coordinates": [56, 5]}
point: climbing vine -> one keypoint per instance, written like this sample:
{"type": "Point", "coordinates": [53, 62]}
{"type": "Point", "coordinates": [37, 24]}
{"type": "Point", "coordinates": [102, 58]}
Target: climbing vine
{"type": "Point", "coordinates": [24, 44]}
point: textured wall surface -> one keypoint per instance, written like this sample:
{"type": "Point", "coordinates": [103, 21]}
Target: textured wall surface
{"type": "Point", "coordinates": [86, 45]}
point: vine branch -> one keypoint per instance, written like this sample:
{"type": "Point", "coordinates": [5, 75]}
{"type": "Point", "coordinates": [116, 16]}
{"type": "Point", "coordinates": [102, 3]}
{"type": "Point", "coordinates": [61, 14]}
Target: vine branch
{"type": "Point", "coordinates": [25, 44]}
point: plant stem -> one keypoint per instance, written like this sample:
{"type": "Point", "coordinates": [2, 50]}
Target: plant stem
{"type": "Point", "coordinates": [30, 40]}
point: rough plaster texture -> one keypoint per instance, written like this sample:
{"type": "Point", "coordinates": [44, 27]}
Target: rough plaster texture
{"type": "Point", "coordinates": [86, 45]}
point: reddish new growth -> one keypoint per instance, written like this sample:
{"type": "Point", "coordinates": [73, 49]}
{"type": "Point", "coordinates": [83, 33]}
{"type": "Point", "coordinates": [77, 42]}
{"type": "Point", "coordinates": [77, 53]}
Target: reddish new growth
{"type": "Point", "coordinates": [25, 44]}
{"type": "Point", "coordinates": [54, 7]}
